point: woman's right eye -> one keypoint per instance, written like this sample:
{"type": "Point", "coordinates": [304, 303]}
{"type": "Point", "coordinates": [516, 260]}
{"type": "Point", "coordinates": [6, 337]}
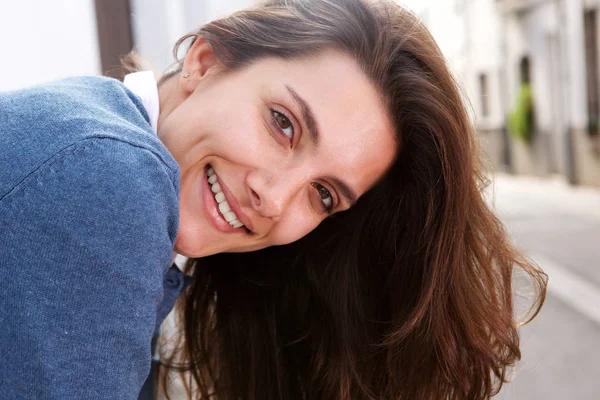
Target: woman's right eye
{"type": "Point", "coordinates": [283, 124]}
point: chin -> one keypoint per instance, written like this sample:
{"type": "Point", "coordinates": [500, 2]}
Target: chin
{"type": "Point", "coordinates": [191, 247]}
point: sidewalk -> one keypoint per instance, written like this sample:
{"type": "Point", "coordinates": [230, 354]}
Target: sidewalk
{"type": "Point", "coordinates": [558, 226]}
{"type": "Point", "coordinates": [552, 192]}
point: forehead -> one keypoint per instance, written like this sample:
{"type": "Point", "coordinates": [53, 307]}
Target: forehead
{"type": "Point", "coordinates": [357, 139]}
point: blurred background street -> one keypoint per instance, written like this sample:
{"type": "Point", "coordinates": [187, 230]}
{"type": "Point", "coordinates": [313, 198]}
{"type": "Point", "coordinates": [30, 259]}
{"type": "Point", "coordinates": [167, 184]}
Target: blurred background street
{"type": "Point", "coordinates": [530, 71]}
{"type": "Point", "coordinates": [559, 227]}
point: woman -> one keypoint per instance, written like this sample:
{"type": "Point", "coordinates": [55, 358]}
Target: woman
{"type": "Point", "coordinates": [330, 203]}
{"type": "Point", "coordinates": [407, 294]}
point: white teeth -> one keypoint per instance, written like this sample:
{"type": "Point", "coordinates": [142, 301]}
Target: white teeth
{"type": "Point", "coordinates": [220, 198]}
{"type": "Point", "coordinates": [224, 207]}
{"type": "Point", "coordinates": [230, 216]}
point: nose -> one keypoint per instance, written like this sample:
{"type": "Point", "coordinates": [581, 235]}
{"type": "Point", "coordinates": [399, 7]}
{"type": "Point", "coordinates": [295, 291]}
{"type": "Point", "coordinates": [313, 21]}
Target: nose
{"type": "Point", "coordinates": [271, 194]}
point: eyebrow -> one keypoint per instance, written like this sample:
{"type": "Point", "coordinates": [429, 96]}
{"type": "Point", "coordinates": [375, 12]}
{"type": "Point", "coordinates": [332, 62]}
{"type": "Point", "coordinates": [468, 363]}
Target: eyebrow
{"type": "Point", "coordinates": [313, 132]}
{"type": "Point", "coordinates": [347, 192]}
{"type": "Point", "coordinates": [307, 115]}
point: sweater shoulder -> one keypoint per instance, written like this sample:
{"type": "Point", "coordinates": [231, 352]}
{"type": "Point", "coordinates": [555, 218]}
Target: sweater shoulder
{"type": "Point", "coordinates": [76, 105]}
{"type": "Point", "coordinates": [39, 122]}
{"type": "Point", "coordinates": [89, 238]}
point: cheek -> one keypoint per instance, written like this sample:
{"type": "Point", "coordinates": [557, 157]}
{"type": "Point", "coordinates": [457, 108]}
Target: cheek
{"type": "Point", "coordinates": [240, 136]}
{"type": "Point", "coordinates": [294, 226]}
{"type": "Point", "coordinates": [192, 236]}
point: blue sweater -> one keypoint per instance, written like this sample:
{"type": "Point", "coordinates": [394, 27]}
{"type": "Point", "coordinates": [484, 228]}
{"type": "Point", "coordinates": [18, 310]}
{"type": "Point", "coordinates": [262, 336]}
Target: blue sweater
{"type": "Point", "coordinates": [88, 219]}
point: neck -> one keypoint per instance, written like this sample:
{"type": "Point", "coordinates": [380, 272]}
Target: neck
{"type": "Point", "coordinates": [169, 97]}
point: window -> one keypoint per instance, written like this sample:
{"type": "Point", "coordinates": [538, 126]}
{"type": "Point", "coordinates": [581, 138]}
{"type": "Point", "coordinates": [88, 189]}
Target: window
{"type": "Point", "coordinates": [591, 64]}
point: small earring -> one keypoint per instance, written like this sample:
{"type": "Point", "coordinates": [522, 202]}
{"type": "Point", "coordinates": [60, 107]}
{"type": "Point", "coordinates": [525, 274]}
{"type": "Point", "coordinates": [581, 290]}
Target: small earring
{"type": "Point", "coordinates": [186, 75]}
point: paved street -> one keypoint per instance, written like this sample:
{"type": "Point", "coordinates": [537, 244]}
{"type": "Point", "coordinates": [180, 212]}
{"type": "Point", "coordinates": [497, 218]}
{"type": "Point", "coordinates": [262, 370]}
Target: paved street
{"type": "Point", "coordinates": [559, 227]}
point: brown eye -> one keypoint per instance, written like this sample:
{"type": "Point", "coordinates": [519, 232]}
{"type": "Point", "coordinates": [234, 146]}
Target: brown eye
{"type": "Point", "coordinates": [325, 196]}
{"type": "Point", "coordinates": [284, 124]}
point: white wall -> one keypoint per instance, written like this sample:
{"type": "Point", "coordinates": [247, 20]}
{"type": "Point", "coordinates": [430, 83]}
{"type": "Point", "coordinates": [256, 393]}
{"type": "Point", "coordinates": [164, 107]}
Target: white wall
{"type": "Point", "coordinates": [539, 24]}
{"type": "Point", "coordinates": [483, 55]}
{"type": "Point", "coordinates": [467, 32]}
{"type": "Point", "coordinates": [44, 40]}
{"type": "Point", "coordinates": [220, 8]}
{"type": "Point", "coordinates": [576, 64]}
{"type": "Point", "coordinates": [158, 24]}
{"type": "Point", "coordinates": [150, 31]}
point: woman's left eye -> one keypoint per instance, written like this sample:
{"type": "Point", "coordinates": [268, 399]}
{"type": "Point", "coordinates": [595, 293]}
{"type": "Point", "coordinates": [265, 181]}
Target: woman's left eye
{"type": "Point", "coordinates": [325, 197]}
{"type": "Point", "coordinates": [283, 124]}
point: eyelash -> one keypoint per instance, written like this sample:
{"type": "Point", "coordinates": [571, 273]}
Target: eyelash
{"type": "Point", "coordinates": [326, 208]}
{"type": "Point", "coordinates": [317, 186]}
{"type": "Point", "coordinates": [274, 115]}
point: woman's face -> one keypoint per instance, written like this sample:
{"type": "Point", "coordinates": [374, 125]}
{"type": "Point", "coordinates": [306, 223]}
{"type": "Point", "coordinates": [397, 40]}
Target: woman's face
{"type": "Point", "coordinates": [289, 143]}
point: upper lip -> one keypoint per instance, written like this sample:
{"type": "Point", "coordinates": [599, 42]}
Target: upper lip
{"type": "Point", "coordinates": [235, 206]}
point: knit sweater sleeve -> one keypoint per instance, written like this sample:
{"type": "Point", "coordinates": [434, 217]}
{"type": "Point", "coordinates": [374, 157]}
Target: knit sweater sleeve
{"type": "Point", "coordinates": [85, 240]}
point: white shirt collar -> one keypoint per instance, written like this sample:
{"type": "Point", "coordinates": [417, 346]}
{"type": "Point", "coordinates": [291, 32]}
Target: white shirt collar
{"type": "Point", "coordinates": [143, 84]}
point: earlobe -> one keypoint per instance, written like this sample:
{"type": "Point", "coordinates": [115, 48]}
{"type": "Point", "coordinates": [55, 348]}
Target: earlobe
{"type": "Point", "coordinates": [199, 62]}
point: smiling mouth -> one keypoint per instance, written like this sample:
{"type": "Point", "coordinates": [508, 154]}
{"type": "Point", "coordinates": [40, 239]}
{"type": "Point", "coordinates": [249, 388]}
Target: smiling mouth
{"type": "Point", "coordinates": [222, 205]}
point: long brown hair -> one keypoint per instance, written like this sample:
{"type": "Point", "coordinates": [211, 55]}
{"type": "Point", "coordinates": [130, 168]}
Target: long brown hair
{"type": "Point", "coordinates": [407, 295]}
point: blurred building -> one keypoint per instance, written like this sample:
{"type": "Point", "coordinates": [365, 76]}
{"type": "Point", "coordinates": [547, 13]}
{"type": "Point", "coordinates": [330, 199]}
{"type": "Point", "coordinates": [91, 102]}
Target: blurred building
{"type": "Point", "coordinates": [494, 45]}
{"type": "Point", "coordinates": [486, 41]}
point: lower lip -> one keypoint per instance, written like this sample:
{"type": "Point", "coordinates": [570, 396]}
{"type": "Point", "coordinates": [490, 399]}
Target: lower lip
{"type": "Point", "coordinates": [211, 209]}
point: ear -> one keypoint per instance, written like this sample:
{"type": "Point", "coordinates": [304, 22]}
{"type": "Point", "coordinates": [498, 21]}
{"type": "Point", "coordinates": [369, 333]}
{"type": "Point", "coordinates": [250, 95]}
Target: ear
{"type": "Point", "coordinates": [200, 61]}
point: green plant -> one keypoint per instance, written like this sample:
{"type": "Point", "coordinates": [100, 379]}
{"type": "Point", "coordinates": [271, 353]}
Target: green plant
{"type": "Point", "coordinates": [521, 118]}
